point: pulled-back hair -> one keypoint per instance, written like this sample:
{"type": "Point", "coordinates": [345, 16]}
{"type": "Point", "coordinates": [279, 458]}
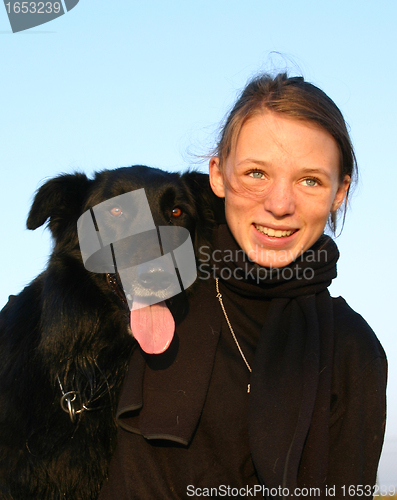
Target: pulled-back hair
{"type": "Point", "coordinates": [296, 98]}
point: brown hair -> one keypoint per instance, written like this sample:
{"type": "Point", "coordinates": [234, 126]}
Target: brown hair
{"type": "Point", "coordinates": [295, 97]}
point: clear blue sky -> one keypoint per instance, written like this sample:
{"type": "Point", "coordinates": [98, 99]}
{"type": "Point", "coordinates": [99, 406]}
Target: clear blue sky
{"type": "Point", "coordinates": [116, 83]}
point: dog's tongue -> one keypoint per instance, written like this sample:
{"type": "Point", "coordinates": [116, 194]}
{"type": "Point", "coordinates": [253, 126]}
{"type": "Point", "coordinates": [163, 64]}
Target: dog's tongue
{"type": "Point", "coordinates": [152, 326]}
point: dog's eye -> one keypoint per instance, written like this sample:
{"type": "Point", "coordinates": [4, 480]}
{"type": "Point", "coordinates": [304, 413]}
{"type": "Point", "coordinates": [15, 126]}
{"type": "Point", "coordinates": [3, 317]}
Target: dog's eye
{"type": "Point", "coordinates": [176, 212]}
{"type": "Point", "coordinates": [116, 211]}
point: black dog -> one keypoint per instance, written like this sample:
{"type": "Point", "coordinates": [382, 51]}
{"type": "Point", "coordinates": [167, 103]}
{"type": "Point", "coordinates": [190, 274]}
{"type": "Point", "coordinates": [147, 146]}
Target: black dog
{"type": "Point", "coordinates": [65, 340]}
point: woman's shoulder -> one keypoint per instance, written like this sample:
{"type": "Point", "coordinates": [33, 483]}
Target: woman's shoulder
{"type": "Point", "coordinates": [355, 340]}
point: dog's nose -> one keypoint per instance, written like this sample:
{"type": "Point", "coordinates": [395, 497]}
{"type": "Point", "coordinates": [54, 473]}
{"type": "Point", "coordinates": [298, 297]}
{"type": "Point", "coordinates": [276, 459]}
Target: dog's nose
{"type": "Point", "coordinates": [155, 279]}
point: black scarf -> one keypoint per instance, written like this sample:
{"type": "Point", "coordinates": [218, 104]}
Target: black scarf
{"type": "Point", "coordinates": [292, 370]}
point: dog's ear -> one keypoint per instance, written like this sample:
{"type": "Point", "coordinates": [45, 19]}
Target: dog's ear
{"type": "Point", "coordinates": [207, 203]}
{"type": "Point", "coordinates": [60, 200]}
{"type": "Point", "coordinates": [210, 210]}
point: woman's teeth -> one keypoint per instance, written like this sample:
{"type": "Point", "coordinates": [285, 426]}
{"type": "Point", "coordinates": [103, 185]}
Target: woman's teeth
{"type": "Point", "coordinates": [271, 232]}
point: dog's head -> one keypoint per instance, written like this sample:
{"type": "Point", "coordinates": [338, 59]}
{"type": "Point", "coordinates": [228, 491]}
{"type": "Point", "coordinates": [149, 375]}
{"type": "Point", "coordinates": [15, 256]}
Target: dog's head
{"type": "Point", "coordinates": [141, 227]}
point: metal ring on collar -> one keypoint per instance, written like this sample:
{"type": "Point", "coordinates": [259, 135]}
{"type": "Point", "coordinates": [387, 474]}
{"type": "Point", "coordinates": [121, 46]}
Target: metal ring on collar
{"type": "Point", "coordinates": [67, 406]}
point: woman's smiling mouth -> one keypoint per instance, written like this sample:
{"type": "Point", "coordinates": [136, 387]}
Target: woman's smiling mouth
{"type": "Point", "coordinates": [274, 233]}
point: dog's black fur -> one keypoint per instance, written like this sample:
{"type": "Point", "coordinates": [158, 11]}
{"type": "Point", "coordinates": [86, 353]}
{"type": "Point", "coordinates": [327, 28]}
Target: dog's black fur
{"type": "Point", "coordinates": [68, 330]}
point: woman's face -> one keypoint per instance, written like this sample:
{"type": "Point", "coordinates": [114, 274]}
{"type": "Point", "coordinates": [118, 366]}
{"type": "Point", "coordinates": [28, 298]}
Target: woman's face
{"type": "Point", "coordinates": [279, 185]}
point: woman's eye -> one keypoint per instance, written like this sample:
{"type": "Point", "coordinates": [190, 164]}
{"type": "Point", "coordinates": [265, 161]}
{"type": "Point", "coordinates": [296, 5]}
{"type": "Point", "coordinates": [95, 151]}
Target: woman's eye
{"type": "Point", "coordinates": [311, 182]}
{"type": "Point", "coordinates": [116, 211]}
{"type": "Point", "coordinates": [257, 175]}
{"type": "Point", "coordinates": [176, 212]}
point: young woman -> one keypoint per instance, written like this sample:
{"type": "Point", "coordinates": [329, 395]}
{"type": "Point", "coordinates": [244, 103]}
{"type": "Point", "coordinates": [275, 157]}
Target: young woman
{"type": "Point", "coordinates": [276, 390]}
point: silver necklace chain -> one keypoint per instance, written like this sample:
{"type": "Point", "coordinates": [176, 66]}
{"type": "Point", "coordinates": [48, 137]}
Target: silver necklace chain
{"type": "Point", "coordinates": [219, 297]}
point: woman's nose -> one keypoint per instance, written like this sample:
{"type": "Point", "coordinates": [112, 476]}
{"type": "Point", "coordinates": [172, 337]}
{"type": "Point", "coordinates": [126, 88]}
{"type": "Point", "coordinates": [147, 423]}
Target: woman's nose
{"type": "Point", "coordinates": [280, 199]}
